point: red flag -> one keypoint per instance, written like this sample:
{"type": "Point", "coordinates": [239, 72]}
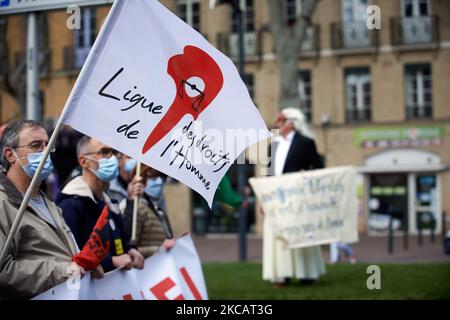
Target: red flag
{"type": "Point", "coordinates": [97, 247]}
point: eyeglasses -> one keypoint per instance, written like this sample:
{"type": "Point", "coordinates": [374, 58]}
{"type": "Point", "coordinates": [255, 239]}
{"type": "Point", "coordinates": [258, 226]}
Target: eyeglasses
{"type": "Point", "coordinates": [104, 152]}
{"type": "Point", "coordinates": [36, 146]}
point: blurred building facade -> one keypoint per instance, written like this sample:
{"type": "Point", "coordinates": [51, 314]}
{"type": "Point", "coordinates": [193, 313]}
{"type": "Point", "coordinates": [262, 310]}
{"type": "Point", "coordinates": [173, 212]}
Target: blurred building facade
{"type": "Point", "coordinates": [377, 99]}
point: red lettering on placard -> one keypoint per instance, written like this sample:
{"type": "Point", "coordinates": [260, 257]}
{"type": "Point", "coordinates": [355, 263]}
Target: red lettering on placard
{"type": "Point", "coordinates": [160, 289]}
{"type": "Point", "coordinates": [190, 283]}
{"type": "Point", "coordinates": [127, 297]}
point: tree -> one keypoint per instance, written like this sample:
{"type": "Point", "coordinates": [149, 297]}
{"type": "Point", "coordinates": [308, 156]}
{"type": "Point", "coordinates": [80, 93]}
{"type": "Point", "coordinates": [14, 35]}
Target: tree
{"type": "Point", "coordinates": [13, 75]}
{"type": "Point", "coordinates": [288, 39]}
{"type": "Point", "coordinates": [12, 78]}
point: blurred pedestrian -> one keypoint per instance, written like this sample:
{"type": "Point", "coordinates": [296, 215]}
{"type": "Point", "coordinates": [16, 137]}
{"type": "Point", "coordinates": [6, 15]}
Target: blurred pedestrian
{"type": "Point", "coordinates": [335, 247]}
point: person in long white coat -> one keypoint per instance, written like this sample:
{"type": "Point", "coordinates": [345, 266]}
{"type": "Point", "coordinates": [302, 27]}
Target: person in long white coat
{"type": "Point", "coordinates": [294, 150]}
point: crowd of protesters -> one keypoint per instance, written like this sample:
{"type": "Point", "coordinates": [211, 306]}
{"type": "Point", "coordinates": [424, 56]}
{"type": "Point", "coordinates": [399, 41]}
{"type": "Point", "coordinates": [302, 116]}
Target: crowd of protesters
{"type": "Point", "coordinates": [46, 249]}
{"type": "Point", "coordinates": [110, 212]}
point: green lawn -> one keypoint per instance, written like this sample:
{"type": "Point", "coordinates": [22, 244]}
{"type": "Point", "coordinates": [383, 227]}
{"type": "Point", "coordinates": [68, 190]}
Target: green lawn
{"type": "Point", "coordinates": [343, 281]}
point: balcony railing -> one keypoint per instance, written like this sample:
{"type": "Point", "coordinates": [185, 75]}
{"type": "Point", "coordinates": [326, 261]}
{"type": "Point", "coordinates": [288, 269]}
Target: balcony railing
{"type": "Point", "coordinates": [353, 35]}
{"type": "Point", "coordinates": [358, 115]}
{"type": "Point", "coordinates": [416, 112]}
{"type": "Point", "coordinates": [311, 42]}
{"type": "Point", "coordinates": [44, 60]}
{"type": "Point", "coordinates": [74, 58]}
{"type": "Point", "coordinates": [414, 30]}
{"type": "Point", "coordinates": [228, 43]}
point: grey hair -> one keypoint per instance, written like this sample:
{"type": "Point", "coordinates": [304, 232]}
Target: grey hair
{"type": "Point", "coordinates": [83, 145]}
{"type": "Point", "coordinates": [10, 137]}
{"type": "Point", "coordinates": [298, 119]}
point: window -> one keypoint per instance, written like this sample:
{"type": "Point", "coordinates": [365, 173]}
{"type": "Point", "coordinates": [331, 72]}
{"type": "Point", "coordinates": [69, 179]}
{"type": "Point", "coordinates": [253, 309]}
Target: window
{"type": "Point", "coordinates": [250, 82]}
{"type": "Point", "coordinates": [355, 33]}
{"type": "Point", "coordinates": [353, 10]}
{"type": "Point", "coordinates": [304, 88]}
{"type": "Point", "coordinates": [358, 94]}
{"type": "Point", "coordinates": [249, 17]}
{"type": "Point", "coordinates": [292, 10]}
{"type": "Point", "coordinates": [85, 36]}
{"type": "Point", "coordinates": [189, 11]}
{"type": "Point", "coordinates": [249, 28]}
{"type": "Point", "coordinates": [416, 8]}
{"type": "Point", "coordinates": [416, 23]}
{"type": "Point", "coordinates": [418, 91]}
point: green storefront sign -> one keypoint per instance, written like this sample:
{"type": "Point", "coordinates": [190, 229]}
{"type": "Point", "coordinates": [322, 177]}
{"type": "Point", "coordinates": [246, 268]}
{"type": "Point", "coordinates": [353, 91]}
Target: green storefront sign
{"type": "Point", "coordinates": [399, 136]}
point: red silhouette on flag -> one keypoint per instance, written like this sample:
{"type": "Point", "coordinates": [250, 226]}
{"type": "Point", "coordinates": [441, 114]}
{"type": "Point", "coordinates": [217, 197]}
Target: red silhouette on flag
{"type": "Point", "coordinates": [194, 62]}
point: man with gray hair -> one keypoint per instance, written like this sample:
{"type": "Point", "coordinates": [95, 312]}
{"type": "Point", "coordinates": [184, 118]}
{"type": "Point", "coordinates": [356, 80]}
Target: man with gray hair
{"type": "Point", "coordinates": [294, 150]}
{"type": "Point", "coordinates": [84, 198]}
{"type": "Point", "coordinates": [40, 255]}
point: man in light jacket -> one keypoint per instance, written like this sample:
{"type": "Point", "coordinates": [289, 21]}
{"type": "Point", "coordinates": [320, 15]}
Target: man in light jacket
{"type": "Point", "coordinates": [40, 255]}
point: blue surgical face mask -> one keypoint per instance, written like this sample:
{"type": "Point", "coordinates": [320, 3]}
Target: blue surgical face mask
{"type": "Point", "coordinates": [130, 164]}
{"type": "Point", "coordinates": [154, 188]}
{"type": "Point", "coordinates": [108, 168]}
{"type": "Point", "coordinates": [33, 162]}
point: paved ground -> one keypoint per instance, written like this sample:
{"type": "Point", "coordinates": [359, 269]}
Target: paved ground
{"type": "Point", "coordinates": [224, 247]}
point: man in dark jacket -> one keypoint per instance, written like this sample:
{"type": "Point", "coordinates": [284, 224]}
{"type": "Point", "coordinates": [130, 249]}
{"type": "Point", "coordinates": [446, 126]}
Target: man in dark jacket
{"type": "Point", "coordinates": [83, 199]}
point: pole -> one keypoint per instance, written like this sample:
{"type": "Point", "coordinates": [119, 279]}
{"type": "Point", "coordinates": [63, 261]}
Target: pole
{"type": "Point", "coordinates": [51, 143]}
{"type": "Point", "coordinates": [390, 235]}
{"type": "Point", "coordinates": [32, 109]}
{"type": "Point", "coordinates": [135, 206]}
{"type": "Point", "coordinates": [241, 167]}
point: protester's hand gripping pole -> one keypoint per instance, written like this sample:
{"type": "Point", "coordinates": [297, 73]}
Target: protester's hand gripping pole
{"type": "Point", "coordinates": [135, 206]}
{"type": "Point", "coordinates": [33, 185]}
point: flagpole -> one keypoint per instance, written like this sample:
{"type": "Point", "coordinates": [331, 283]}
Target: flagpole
{"type": "Point", "coordinates": [33, 185]}
{"type": "Point", "coordinates": [135, 206]}
{"type": "Point", "coordinates": [85, 71]}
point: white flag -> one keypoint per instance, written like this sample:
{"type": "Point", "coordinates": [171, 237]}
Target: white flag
{"type": "Point", "coordinates": [156, 90]}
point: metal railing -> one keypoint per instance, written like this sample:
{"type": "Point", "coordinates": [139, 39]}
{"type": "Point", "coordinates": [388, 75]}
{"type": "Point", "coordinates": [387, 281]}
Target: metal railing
{"type": "Point", "coordinates": [253, 42]}
{"type": "Point", "coordinates": [74, 58]}
{"type": "Point", "coordinates": [358, 115]}
{"type": "Point", "coordinates": [311, 42]}
{"type": "Point", "coordinates": [44, 60]}
{"type": "Point", "coordinates": [416, 112]}
{"type": "Point", "coordinates": [228, 43]}
{"type": "Point", "coordinates": [414, 30]}
{"type": "Point", "coordinates": [353, 35]}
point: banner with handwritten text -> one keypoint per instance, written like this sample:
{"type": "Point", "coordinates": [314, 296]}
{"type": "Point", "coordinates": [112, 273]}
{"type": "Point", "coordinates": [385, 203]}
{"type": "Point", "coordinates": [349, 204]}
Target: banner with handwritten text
{"type": "Point", "coordinates": [311, 207]}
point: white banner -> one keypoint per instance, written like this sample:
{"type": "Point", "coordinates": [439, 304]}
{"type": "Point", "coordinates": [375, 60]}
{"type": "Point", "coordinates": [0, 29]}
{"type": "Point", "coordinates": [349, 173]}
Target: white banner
{"type": "Point", "coordinates": [311, 207]}
{"type": "Point", "coordinates": [173, 275]}
{"type": "Point", "coordinates": [156, 90]}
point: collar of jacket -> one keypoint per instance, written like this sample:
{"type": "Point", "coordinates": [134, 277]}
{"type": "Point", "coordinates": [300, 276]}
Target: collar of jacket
{"type": "Point", "coordinates": [116, 186]}
{"type": "Point", "coordinates": [10, 189]}
{"type": "Point", "coordinates": [79, 187]}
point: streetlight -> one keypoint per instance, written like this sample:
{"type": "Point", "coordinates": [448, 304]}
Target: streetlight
{"type": "Point", "coordinates": [235, 4]}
